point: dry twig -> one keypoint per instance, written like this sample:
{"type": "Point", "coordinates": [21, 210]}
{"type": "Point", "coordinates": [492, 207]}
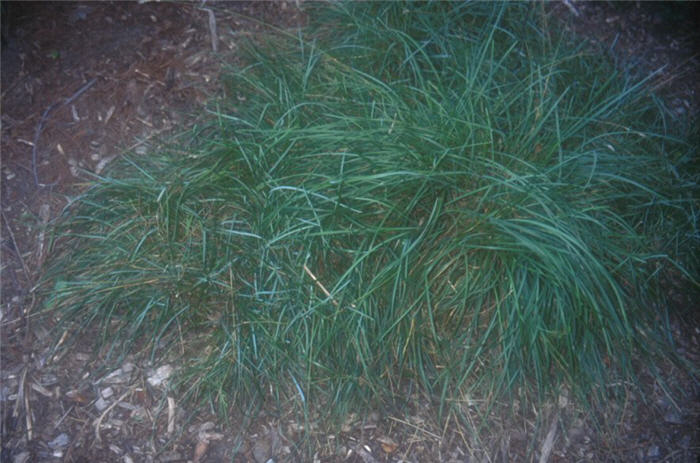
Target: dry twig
{"type": "Point", "coordinates": [171, 415]}
{"type": "Point", "coordinates": [320, 285]}
{"type": "Point", "coordinates": [212, 29]}
{"type": "Point", "coordinates": [42, 121]}
{"type": "Point", "coordinates": [417, 428]}
{"type": "Point", "coordinates": [98, 422]}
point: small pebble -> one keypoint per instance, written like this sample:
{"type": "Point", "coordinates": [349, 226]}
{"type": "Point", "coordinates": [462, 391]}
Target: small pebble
{"type": "Point", "coordinates": [117, 376]}
{"type": "Point", "coordinates": [101, 404]}
{"type": "Point", "coordinates": [170, 456]}
{"type": "Point", "coordinates": [107, 392]}
{"type": "Point", "coordinates": [685, 441]}
{"type": "Point", "coordinates": [654, 451]}
{"type": "Point", "coordinates": [160, 375]}
{"type": "Point", "coordinates": [207, 426]}
{"type": "Point", "coordinates": [48, 379]}
{"type": "Point", "coordinates": [673, 417]}
{"type": "Point", "coordinates": [60, 441]}
{"type": "Point", "coordinates": [563, 400]}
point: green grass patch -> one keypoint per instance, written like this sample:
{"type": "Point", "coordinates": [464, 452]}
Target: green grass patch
{"type": "Point", "coordinates": [447, 198]}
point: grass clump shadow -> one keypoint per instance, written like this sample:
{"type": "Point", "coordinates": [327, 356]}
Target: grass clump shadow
{"type": "Point", "coordinates": [444, 198]}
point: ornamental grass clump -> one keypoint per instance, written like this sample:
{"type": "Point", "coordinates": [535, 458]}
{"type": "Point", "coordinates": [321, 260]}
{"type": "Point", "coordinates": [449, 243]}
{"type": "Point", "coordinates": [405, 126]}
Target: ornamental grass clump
{"type": "Point", "coordinates": [443, 198]}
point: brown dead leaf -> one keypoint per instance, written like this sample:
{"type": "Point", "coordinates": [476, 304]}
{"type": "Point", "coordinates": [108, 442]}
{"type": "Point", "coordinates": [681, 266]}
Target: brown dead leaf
{"type": "Point", "coordinates": [76, 396]}
{"type": "Point", "coordinates": [388, 444]}
{"type": "Point", "coordinates": [200, 450]}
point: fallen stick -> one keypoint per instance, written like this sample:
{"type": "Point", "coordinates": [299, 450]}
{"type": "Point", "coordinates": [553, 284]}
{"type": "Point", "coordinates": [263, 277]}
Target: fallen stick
{"type": "Point", "coordinates": [212, 29]}
{"type": "Point", "coordinates": [42, 121]}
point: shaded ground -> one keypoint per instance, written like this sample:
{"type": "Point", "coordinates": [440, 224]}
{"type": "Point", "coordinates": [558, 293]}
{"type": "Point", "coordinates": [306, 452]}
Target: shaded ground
{"type": "Point", "coordinates": [82, 83]}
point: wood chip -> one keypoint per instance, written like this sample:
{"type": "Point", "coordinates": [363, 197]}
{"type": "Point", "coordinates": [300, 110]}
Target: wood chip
{"type": "Point", "coordinates": [110, 111]}
{"type": "Point", "coordinates": [41, 390]}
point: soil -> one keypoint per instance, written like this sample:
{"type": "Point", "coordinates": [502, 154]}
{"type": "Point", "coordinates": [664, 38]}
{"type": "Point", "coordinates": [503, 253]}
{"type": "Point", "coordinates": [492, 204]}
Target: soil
{"type": "Point", "coordinates": [84, 82]}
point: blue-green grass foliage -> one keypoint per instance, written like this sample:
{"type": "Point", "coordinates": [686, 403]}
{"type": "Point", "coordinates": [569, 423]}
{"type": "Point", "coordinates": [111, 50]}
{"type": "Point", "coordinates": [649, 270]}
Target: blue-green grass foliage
{"type": "Point", "coordinates": [448, 197]}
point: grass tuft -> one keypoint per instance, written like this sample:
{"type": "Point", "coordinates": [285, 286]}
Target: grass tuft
{"type": "Point", "coordinates": [446, 198]}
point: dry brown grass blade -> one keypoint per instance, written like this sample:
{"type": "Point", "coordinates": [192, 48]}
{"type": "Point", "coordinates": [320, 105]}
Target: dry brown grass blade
{"type": "Point", "coordinates": [98, 421]}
